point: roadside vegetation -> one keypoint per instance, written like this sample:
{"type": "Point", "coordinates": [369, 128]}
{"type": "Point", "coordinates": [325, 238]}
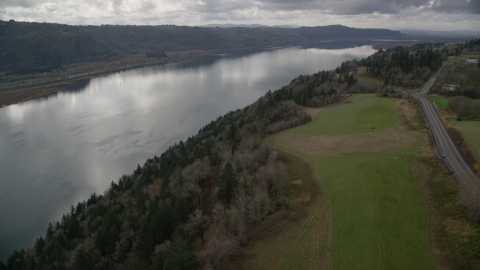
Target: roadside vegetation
{"type": "Point", "coordinates": [454, 236]}
{"type": "Point", "coordinates": [462, 118]}
{"type": "Point", "coordinates": [471, 131]}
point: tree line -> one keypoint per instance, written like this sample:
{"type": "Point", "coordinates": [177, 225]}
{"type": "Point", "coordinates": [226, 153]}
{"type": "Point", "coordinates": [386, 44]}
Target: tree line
{"type": "Point", "coordinates": [403, 66]}
{"type": "Point", "coordinates": [465, 107]}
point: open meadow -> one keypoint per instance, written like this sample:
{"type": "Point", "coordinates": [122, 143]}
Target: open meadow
{"type": "Point", "coordinates": [379, 219]}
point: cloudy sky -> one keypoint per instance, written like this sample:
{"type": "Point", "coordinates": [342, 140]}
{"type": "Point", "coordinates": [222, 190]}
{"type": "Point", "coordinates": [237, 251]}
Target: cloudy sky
{"type": "Point", "coordinates": [394, 14]}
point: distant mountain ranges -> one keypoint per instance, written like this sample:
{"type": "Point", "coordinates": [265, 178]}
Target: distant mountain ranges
{"type": "Point", "coordinates": [25, 45]}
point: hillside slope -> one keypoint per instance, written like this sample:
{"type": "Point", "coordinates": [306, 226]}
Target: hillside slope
{"type": "Point", "coordinates": [26, 45]}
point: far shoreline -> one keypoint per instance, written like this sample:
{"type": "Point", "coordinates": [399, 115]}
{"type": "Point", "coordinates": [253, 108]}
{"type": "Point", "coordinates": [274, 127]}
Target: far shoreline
{"type": "Point", "coordinates": [33, 91]}
{"type": "Point", "coordinates": [19, 94]}
{"type": "Point", "coordinates": [37, 90]}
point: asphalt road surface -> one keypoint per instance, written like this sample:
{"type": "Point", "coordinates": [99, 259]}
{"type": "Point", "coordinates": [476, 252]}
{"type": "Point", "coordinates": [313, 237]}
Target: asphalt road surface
{"type": "Point", "coordinates": [446, 149]}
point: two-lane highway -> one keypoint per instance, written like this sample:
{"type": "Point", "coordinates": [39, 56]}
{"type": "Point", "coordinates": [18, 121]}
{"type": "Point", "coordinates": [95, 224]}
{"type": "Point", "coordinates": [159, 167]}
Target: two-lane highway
{"type": "Point", "coordinates": [445, 146]}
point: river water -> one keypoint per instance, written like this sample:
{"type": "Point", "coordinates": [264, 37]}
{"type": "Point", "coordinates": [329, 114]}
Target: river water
{"type": "Point", "coordinates": [57, 150]}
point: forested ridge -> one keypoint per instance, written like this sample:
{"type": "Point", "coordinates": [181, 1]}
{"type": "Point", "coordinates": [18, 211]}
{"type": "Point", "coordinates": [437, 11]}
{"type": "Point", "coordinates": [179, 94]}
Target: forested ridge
{"type": "Point", "coordinates": [207, 190]}
{"type": "Point", "coordinates": [26, 47]}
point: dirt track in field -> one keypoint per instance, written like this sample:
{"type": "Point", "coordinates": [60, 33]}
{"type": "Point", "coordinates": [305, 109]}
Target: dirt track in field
{"type": "Point", "coordinates": [335, 145]}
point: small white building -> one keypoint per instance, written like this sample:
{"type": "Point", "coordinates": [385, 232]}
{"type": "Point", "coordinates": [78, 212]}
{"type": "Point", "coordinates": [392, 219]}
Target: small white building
{"type": "Point", "coordinates": [472, 61]}
{"type": "Point", "coordinates": [449, 87]}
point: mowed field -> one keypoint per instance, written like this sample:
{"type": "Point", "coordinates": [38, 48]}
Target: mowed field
{"type": "Point", "coordinates": [378, 217]}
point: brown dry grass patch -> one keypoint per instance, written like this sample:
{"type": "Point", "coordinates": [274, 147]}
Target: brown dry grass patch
{"type": "Point", "coordinates": [410, 114]}
{"type": "Point", "coordinates": [328, 145]}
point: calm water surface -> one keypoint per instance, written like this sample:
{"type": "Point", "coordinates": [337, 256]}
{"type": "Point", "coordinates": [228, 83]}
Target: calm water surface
{"type": "Point", "coordinates": [57, 150]}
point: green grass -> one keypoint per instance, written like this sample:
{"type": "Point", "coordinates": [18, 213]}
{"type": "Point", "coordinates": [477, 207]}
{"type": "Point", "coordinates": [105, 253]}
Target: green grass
{"type": "Point", "coordinates": [380, 220]}
{"type": "Point", "coordinates": [453, 63]}
{"type": "Point", "coordinates": [441, 102]}
{"type": "Point", "coordinates": [471, 131]}
{"type": "Point", "coordinates": [367, 114]}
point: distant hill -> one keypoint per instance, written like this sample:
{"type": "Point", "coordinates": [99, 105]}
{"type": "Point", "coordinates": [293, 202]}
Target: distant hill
{"type": "Point", "coordinates": [462, 33]}
{"type": "Point", "coordinates": [25, 45]}
{"type": "Point", "coordinates": [230, 25]}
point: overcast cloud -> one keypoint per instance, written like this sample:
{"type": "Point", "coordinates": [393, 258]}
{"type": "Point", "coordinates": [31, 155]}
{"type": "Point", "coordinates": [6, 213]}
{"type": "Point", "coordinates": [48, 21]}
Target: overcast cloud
{"type": "Point", "coordinates": [395, 14]}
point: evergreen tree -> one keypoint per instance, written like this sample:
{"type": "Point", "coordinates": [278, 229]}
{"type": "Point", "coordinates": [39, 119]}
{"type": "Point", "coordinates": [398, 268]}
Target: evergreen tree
{"type": "Point", "coordinates": [49, 231]}
{"type": "Point", "coordinates": [73, 228]}
{"type": "Point", "coordinates": [106, 239]}
{"type": "Point", "coordinates": [181, 255]}
{"type": "Point", "coordinates": [83, 260]}
{"type": "Point", "coordinates": [39, 244]}
{"type": "Point", "coordinates": [227, 183]}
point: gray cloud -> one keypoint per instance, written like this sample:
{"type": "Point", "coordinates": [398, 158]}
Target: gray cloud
{"type": "Point", "coordinates": [219, 6]}
{"type": "Point", "coordinates": [339, 7]}
{"type": "Point", "coordinates": [22, 3]}
{"type": "Point", "coordinates": [457, 6]}
{"type": "Point", "coordinates": [354, 7]}
{"type": "Point", "coordinates": [460, 14]}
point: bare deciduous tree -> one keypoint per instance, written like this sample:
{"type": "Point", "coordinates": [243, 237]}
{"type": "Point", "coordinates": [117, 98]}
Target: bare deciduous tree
{"type": "Point", "coordinates": [197, 224]}
{"type": "Point", "coordinates": [221, 248]}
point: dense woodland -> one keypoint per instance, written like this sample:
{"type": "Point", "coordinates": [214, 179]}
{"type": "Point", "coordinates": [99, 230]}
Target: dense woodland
{"type": "Point", "coordinates": [25, 47]}
{"type": "Point", "coordinates": [403, 66]}
{"type": "Point", "coordinates": [192, 206]}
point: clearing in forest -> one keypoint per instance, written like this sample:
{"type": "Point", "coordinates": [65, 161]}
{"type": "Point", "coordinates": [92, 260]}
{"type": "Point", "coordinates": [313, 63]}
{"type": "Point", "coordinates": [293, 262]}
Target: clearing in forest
{"type": "Point", "coordinates": [378, 216]}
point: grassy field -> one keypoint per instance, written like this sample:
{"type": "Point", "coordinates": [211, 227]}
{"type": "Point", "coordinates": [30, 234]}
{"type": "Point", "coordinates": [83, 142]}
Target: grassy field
{"type": "Point", "coordinates": [367, 114]}
{"type": "Point", "coordinates": [379, 218]}
{"type": "Point", "coordinates": [441, 102]}
{"type": "Point", "coordinates": [471, 131]}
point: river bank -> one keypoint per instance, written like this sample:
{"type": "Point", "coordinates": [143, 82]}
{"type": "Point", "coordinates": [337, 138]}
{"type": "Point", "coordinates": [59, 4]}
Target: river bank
{"type": "Point", "coordinates": [28, 88]}
{"type": "Point", "coordinates": [77, 75]}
